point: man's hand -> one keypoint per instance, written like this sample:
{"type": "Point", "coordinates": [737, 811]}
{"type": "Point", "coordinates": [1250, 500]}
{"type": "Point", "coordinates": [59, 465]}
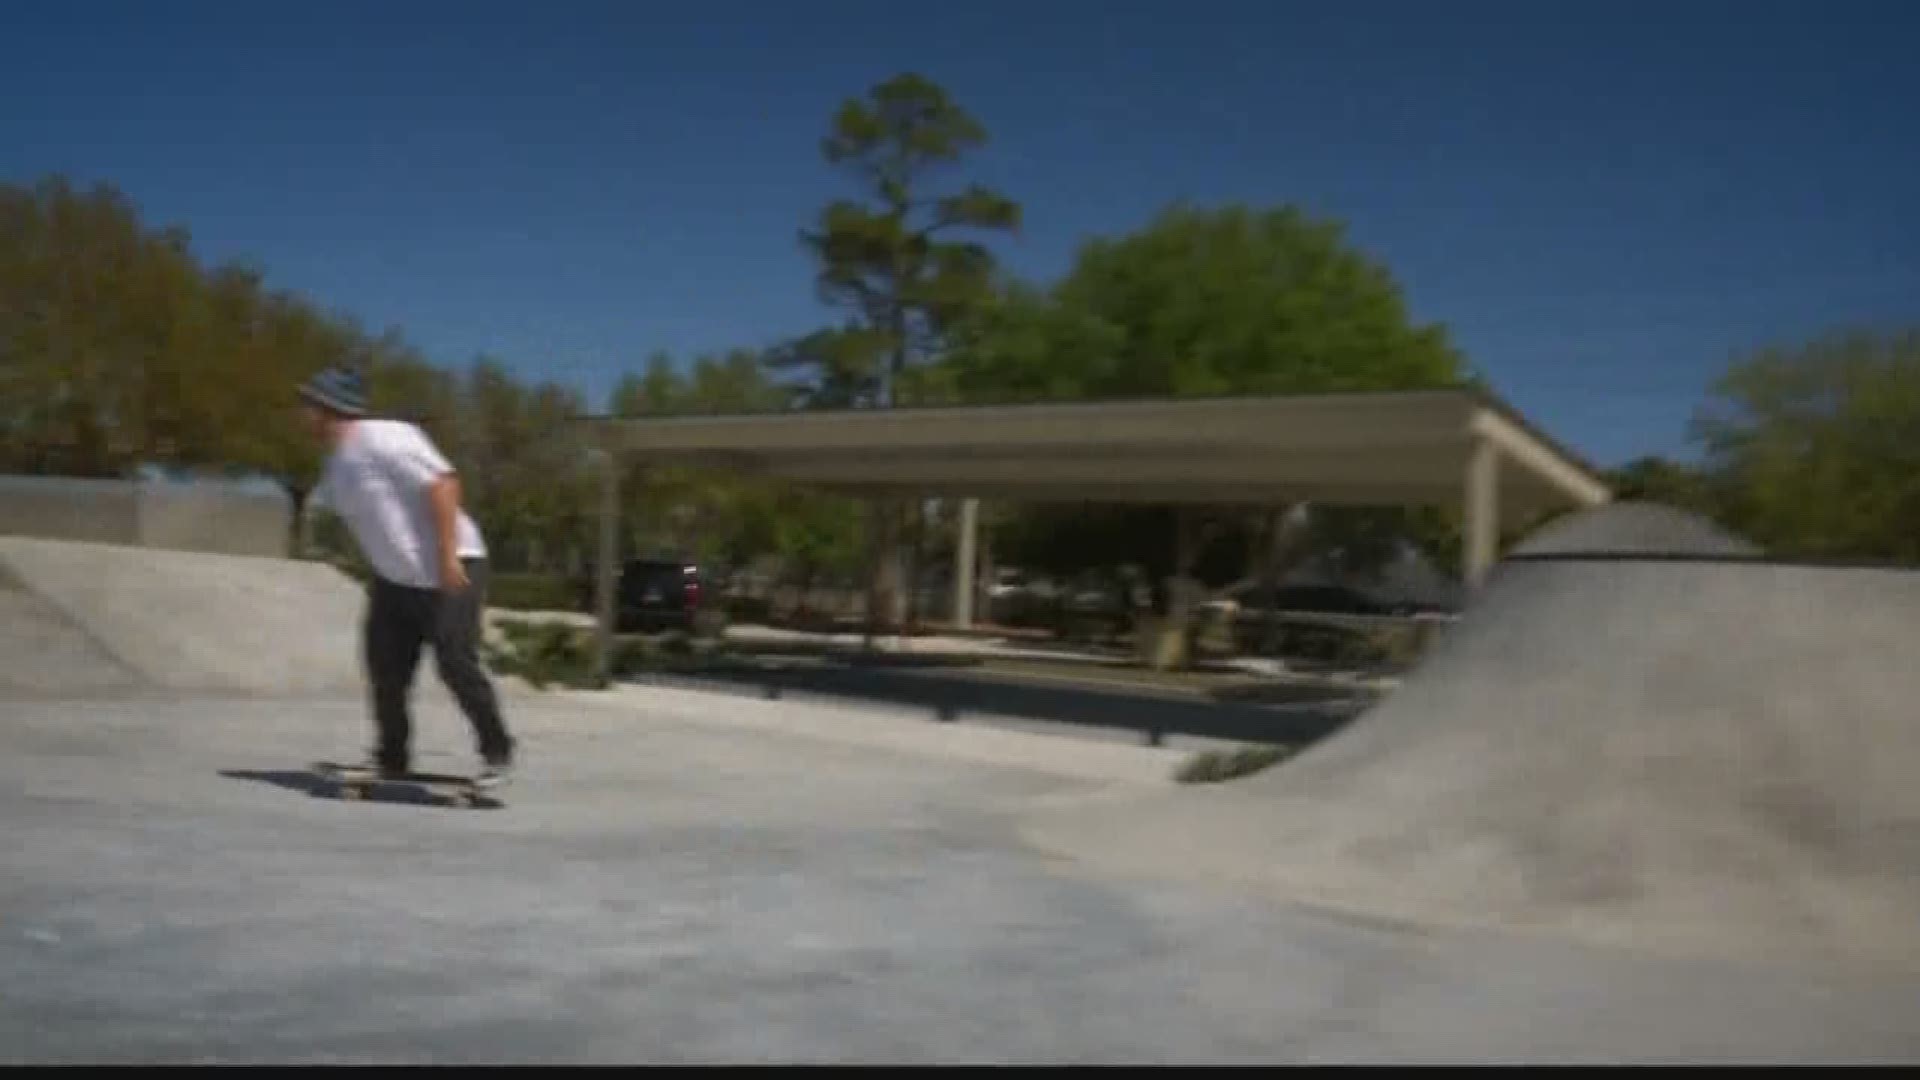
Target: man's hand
{"type": "Point", "coordinates": [453, 576]}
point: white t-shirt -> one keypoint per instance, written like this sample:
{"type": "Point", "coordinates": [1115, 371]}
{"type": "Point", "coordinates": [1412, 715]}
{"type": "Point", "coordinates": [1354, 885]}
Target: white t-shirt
{"type": "Point", "coordinates": [376, 481]}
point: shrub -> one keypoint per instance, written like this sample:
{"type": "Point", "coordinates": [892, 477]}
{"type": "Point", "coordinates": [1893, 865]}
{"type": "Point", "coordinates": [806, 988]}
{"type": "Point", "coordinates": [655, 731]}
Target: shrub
{"type": "Point", "coordinates": [530, 592]}
{"type": "Point", "coordinates": [747, 609]}
{"type": "Point", "coordinates": [552, 652]}
{"type": "Point", "coordinates": [662, 652]}
{"type": "Point", "coordinates": [546, 653]}
{"type": "Point", "coordinates": [1217, 766]}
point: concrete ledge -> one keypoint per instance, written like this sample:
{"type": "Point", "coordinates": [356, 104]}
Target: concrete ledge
{"type": "Point", "coordinates": [210, 516]}
{"type": "Point", "coordinates": [1063, 756]}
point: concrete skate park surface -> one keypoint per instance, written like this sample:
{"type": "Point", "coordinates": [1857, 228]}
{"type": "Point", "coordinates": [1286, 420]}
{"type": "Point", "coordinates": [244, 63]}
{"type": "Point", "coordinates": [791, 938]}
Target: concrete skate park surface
{"type": "Point", "coordinates": [687, 877]}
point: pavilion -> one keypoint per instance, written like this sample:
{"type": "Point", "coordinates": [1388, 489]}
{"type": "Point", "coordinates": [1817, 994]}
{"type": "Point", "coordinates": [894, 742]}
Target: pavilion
{"type": "Point", "coordinates": [1455, 447]}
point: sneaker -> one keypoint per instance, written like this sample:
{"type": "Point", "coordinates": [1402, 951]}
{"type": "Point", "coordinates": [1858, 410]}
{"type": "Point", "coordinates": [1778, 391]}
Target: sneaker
{"type": "Point", "coordinates": [494, 773]}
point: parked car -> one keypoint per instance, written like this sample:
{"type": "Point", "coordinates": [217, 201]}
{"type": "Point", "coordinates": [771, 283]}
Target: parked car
{"type": "Point", "coordinates": [1314, 599]}
{"type": "Point", "coordinates": [657, 594]}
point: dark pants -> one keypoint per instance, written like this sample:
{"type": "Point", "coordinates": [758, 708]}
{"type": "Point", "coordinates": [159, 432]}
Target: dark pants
{"type": "Point", "coordinates": [400, 621]}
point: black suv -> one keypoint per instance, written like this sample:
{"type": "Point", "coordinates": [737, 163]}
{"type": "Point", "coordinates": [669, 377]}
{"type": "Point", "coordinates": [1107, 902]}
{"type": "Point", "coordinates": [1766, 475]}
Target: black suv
{"type": "Point", "coordinates": [654, 595]}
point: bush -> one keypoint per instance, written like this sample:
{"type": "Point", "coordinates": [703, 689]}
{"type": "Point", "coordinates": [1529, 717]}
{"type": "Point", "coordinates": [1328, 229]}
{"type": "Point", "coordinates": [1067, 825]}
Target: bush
{"type": "Point", "coordinates": [530, 592]}
{"type": "Point", "coordinates": [633, 655]}
{"type": "Point", "coordinates": [1216, 766]}
{"type": "Point", "coordinates": [672, 650]}
{"type": "Point", "coordinates": [552, 652]}
{"type": "Point", "coordinates": [1211, 633]}
{"type": "Point", "coordinates": [747, 609]}
{"type": "Point", "coordinates": [1395, 646]}
{"type": "Point", "coordinates": [546, 653]}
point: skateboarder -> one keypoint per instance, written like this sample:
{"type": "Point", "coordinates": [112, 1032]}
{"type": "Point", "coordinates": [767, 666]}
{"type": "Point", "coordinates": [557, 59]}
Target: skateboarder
{"type": "Point", "coordinates": [401, 500]}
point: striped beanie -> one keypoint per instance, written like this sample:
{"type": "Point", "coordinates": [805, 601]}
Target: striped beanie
{"type": "Point", "coordinates": [340, 389]}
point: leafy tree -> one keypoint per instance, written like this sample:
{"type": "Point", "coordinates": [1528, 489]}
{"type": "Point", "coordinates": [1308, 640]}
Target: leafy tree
{"type": "Point", "coordinates": [1662, 480]}
{"type": "Point", "coordinates": [712, 514]}
{"type": "Point", "coordinates": [898, 264]}
{"type": "Point", "coordinates": [97, 373]}
{"type": "Point", "coordinates": [1206, 302]}
{"type": "Point", "coordinates": [1815, 448]}
{"type": "Point", "coordinates": [734, 382]}
{"type": "Point", "coordinates": [650, 498]}
{"type": "Point", "coordinates": [524, 459]}
{"type": "Point", "coordinates": [119, 349]}
{"type": "Point", "coordinates": [651, 392]}
{"type": "Point", "coordinates": [816, 534]}
{"type": "Point", "coordinates": [890, 261]}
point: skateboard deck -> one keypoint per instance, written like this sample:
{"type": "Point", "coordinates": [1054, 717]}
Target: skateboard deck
{"type": "Point", "coordinates": [355, 781]}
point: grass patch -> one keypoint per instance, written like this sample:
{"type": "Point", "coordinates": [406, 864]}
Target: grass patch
{"type": "Point", "coordinates": [546, 653]}
{"type": "Point", "coordinates": [1219, 766]}
{"type": "Point", "coordinates": [555, 653]}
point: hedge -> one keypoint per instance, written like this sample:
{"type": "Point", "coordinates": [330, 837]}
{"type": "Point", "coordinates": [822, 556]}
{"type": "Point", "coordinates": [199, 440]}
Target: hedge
{"type": "Point", "coordinates": [532, 592]}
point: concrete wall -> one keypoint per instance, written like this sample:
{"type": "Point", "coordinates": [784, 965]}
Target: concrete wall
{"type": "Point", "coordinates": [199, 515]}
{"type": "Point", "coordinates": [61, 508]}
{"type": "Point", "coordinates": [222, 518]}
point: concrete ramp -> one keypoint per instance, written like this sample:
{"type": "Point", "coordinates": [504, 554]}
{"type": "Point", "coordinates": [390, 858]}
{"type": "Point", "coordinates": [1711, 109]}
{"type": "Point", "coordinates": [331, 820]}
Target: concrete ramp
{"type": "Point", "coordinates": [104, 615]}
{"type": "Point", "coordinates": [1692, 754]}
{"type": "Point", "coordinates": [43, 654]}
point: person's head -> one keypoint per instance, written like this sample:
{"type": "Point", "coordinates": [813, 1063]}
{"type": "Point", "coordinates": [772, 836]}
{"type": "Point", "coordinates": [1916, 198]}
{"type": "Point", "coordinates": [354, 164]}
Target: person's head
{"type": "Point", "coordinates": [333, 399]}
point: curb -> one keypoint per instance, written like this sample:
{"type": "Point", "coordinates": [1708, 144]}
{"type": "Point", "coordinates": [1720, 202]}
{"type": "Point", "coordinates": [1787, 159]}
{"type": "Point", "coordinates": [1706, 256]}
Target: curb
{"type": "Point", "coordinates": [1058, 755]}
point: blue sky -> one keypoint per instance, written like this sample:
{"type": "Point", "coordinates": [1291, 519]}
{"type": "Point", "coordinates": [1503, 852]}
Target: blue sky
{"type": "Point", "coordinates": [1603, 201]}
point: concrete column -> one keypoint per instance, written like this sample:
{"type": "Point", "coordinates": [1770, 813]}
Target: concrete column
{"type": "Point", "coordinates": [964, 558]}
{"type": "Point", "coordinates": [1482, 524]}
{"type": "Point", "coordinates": [606, 570]}
{"type": "Point", "coordinates": [304, 534]}
{"type": "Point", "coordinates": [984, 578]}
{"type": "Point", "coordinates": [877, 552]}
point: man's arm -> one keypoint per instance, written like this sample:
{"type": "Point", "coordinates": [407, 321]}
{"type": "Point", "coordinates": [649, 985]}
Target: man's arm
{"type": "Point", "coordinates": [445, 494]}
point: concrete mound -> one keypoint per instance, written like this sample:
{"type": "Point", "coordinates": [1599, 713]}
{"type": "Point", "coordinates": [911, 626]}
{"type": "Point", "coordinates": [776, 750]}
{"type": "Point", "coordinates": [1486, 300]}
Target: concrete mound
{"type": "Point", "coordinates": [1635, 528]}
{"type": "Point", "coordinates": [102, 615]}
{"type": "Point", "coordinates": [1690, 756]}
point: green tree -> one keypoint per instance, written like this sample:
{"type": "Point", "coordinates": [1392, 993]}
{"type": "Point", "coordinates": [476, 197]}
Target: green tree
{"type": "Point", "coordinates": [649, 496]}
{"type": "Point", "coordinates": [897, 262]}
{"type": "Point", "coordinates": [521, 450]}
{"type": "Point", "coordinates": [815, 534]}
{"type": "Point", "coordinates": [652, 392]}
{"type": "Point", "coordinates": [1815, 448]}
{"type": "Point", "coordinates": [98, 370]}
{"type": "Point", "coordinates": [1206, 302]}
{"type": "Point", "coordinates": [1663, 480]}
{"type": "Point", "coordinates": [734, 382]}
{"type": "Point", "coordinates": [118, 348]}
{"type": "Point", "coordinates": [731, 516]}
{"type": "Point", "coordinates": [892, 261]}
{"type": "Point", "coordinates": [711, 514]}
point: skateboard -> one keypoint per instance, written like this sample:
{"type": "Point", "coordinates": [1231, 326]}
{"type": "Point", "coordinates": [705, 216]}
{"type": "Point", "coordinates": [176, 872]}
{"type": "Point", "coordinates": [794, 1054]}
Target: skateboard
{"type": "Point", "coordinates": [355, 781]}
